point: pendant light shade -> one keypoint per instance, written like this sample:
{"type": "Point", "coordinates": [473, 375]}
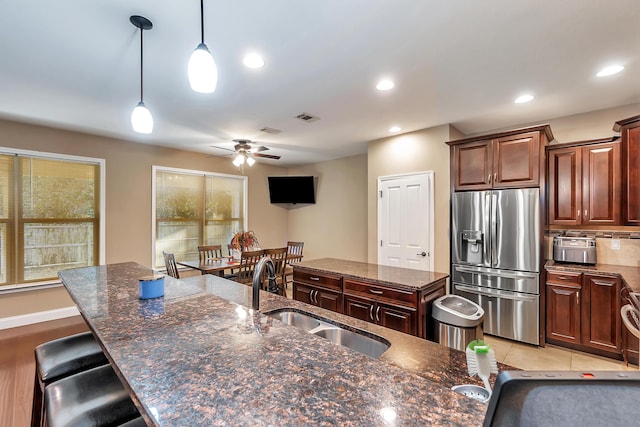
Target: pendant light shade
{"type": "Point", "coordinates": [202, 70]}
{"type": "Point", "coordinates": [238, 160]}
{"type": "Point", "coordinates": [250, 161]}
{"type": "Point", "coordinates": [141, 119]}
{"type": "Point", "coordinates": [203, 73]}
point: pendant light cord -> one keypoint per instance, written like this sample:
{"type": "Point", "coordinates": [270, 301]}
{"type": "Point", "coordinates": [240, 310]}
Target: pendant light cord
{"type": "Point", "coordinates": [141, 65]}
{"type": "Point", "coordinates": [202, 21]}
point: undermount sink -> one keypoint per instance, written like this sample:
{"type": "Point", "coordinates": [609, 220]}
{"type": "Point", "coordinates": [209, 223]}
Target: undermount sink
{"type": "Point", "coordinates": [372, 346]}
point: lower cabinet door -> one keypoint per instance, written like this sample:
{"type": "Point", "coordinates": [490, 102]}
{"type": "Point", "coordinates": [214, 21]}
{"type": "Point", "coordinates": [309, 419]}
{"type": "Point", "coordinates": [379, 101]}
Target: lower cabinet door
{"type": "Point", "coordinates": [359, 308]}
{"type": "Point", "coordinates": [601, 322]}
{"type": "Point", "coordinates": [329, 300]}
{"type": "Point", "coordinates": [400, 319]}
{"type": "Point", "coordinates": [302, 293]}
{"type": "Point", "coordinates": [563, 313]}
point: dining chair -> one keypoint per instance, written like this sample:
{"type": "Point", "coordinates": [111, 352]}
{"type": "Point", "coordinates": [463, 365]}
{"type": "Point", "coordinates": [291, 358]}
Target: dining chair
{"type": "Point", "coordinates": [209, 252]}
{"type": "Point", "coordinates": [279, 258]}
{"type": "Point", "coordinates": [294, 255]}
{"type": "Point", "coordinates": [248, 261]}
{"type": "Point", "coordinates": [170, 265]}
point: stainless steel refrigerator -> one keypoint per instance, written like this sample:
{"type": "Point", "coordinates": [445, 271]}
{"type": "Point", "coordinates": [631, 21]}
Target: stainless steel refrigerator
{"type": "Point", "coordinates": [495, 256]}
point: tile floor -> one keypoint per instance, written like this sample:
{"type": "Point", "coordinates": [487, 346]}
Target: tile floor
{"type": "Point", "coordinates": [551, 358]}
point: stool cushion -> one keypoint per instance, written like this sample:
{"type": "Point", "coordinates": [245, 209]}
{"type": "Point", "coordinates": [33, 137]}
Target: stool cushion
{"type": "Point", "coordinates": [90, 398]}
{"type": "Point", "coordinates": [68, 355]}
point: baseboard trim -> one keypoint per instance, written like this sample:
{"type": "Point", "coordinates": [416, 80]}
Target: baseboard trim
{"type": "Point", "coordinates": [41, 316]}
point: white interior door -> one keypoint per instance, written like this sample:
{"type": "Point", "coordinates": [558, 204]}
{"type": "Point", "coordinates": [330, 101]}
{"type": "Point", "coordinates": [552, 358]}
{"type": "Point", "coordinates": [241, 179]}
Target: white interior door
{"type": "Point", "coordinates": [405, 221]}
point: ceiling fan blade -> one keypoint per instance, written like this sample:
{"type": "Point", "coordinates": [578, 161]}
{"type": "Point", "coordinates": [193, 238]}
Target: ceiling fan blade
{"type": "Point", "coordinates": [266, 156]}
{"type": "Point", "coordinates": [221, 148]}
{"type": "Point", "coordinates": [255, 148]}
{"type": "Point", "coordinates": [221, 155]}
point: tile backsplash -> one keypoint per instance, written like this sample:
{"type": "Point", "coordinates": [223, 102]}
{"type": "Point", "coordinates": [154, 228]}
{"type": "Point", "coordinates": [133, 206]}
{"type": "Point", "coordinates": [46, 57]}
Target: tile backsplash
{"type": "Point", "coordinates": [627, 255]}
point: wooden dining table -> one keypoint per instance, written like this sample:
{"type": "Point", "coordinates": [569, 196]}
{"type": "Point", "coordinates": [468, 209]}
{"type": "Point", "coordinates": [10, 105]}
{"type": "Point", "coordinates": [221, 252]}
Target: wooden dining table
{"type": "Point", "coordinates": [212, 265]}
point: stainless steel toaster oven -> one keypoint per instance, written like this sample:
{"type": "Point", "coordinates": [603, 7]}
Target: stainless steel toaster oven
{"type": "Point", "coordinates": [579, 250]}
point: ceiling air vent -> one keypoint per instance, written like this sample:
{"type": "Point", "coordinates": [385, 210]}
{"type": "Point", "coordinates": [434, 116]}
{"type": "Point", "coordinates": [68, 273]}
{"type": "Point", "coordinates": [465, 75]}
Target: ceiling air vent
{"type": "Point", "coordinates": [272, 131]}
{"type": "Point", "coordinates": [306, 117]}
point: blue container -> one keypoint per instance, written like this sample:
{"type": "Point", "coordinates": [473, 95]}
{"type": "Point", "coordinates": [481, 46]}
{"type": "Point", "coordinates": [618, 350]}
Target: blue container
{"type": "Point", "coordinates": [151, 286]}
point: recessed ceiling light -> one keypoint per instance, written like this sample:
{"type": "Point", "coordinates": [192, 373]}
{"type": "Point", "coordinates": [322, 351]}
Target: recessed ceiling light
{"type": "Point", "coordinates": [394, 129]}
{"type": "Point", "coordinates": [523, 98]}
{"type": "Point", "coordinates": [253, 60]}
{"type": "Point", "coordinates": [385, 85]}
{"type": "Point", "coordinates": [608, 71]}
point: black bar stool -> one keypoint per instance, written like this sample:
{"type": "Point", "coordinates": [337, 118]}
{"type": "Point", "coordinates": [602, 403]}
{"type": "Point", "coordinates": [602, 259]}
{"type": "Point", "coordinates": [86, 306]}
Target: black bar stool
{"type": "Point", "coordinates": [136, 422]}
{"type": "Point", "coordinates": [60, 358]}
{"type": "Point", "coordinates": [90, 398]}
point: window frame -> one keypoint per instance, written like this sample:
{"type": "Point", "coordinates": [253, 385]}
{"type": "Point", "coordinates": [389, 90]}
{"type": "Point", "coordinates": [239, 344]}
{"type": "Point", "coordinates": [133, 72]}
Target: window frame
{"type": "Point", "coordinates": [101, 212]}
{"type": "Point", "coordinates": [156, 168]}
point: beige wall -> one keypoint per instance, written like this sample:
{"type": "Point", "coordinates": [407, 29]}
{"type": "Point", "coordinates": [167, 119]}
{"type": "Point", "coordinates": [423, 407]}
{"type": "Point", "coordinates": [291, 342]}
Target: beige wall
{"type": "Point", "coordinates": [128, 193]}
{"type": "Point", "coordinates": [420, 151]}
{"type": "Point", "coordinates": [24, 302]}
{"type": "Point", "coordinates": [335, 226]}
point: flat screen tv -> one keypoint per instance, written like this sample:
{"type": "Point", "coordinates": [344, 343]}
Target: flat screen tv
{"type": "Point", "coordinates": [292, 189]}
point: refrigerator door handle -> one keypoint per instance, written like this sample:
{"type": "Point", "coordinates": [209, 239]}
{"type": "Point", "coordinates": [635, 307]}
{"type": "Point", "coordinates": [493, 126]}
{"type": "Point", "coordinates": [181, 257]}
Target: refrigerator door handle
{"type": "Point", "coordinates": [503, 295]}
{"type": "Point", "coordinates": [494, 227]}
{"type": "Point", "coordinates": [466, 269]}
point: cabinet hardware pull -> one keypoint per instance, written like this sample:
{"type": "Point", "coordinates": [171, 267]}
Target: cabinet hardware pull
{"type": "Point", "coordinates": [374, 291]}
{"type": "Point", "coordinates": [495, 177]}
{"type": "Point", "coordinates": [585, 213]}
{"type": "Point", "coordinates": [314, 296]}
{"type": "Point", "coordinates": [311, 295]}
{"type": "Point", "coordinates": [564, 278]}
{"type": "Point", "coordinates": [371, 312]}
{"type": "Point", "coordinates": [578, 298]}
{"type": "Point", "coordinates": [578, 213]}
{"type": "Point", "coordinates": [315, 279]}
{"type": "Point", "coordinates": [489, 179]}
{"type": "Point", "coordinates": [378, 314]}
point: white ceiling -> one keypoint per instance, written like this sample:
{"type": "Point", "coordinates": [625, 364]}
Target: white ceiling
{"type": "Point", "coordinates": [75, 64]}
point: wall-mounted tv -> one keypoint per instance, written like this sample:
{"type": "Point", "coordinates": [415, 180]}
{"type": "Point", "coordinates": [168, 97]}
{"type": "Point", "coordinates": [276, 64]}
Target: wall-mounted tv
{"type": "Point", "coordinates": [292, 189]}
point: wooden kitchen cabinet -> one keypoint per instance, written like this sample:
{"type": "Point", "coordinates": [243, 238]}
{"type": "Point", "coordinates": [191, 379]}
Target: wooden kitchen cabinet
{"type": "Point", "coordinates": [563, 306]}
{"type": "Point", "coordinates": [322, 290]}
{"type": "Point", "coordinates": [505, 160]}
{"type": "Point", "coordinates": [583, 312]}
{"type": "Point", "coordinates": [399, 318]}
{"type": "Point", "coordinates": [584, 183]}
{"type": "Point", "coordinates": [630, 142]}
{"type": "Point", "coordinates": [601, 323]}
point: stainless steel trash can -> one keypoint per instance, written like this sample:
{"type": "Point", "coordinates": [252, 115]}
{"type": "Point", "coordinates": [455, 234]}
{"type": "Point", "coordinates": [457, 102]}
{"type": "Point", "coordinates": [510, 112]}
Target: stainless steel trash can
{"type": "Point", "coordinates": [458, 321]}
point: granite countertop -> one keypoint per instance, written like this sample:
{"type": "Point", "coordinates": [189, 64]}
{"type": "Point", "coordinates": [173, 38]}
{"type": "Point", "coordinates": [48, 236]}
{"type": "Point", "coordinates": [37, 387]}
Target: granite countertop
{"type": "Point", "coordinates": [199, 356]}
{"type": "Point", "coordinates": [405, 278]}
{"type": "Point", "coordinates": [630, 275]}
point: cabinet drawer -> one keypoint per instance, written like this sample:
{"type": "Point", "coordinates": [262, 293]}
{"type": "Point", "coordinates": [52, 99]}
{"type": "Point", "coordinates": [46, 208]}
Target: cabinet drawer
{"type": "Point", "coordinates": [565, 278]}
{"type": "Point", "coordinates": [324, 280]}
{"type": "Point", "coordinates": [380, 292]}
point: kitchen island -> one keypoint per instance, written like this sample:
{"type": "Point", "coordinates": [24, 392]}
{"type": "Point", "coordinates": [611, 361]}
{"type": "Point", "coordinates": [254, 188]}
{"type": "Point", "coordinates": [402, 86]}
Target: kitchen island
{"type": "Point", "coordinates": [199, 356]}
{"type": "Point", "coordinates": [394, 297]}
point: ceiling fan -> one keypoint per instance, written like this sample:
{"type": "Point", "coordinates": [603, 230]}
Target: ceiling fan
{"type": "Point", "coordinates": [245, 151]}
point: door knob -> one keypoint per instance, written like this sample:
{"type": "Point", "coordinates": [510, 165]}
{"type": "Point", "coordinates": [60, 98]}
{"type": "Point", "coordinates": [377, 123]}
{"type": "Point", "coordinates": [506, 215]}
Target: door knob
{"type": "Point", "coordinates": [423, 253]}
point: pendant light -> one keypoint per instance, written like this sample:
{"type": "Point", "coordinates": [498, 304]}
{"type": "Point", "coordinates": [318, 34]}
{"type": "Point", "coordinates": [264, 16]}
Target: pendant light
{"type": "Point", "coordinates": [141, 119]}
{"type": "Point", "coordinates": [202, 70]}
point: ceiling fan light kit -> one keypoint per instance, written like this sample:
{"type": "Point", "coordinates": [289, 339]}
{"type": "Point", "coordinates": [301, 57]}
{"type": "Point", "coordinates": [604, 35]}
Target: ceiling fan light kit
{"type": "Point", "coordinates": [141, 119]}
{"type": "Point", "coordinates": [202, 70]}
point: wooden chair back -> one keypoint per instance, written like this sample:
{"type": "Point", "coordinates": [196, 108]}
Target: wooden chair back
{"type": "Point", "coordinates": [294, 255]}
{"type": "Point", "coordinates": [209, 252]}
{"type": "Point", "coordinates": [248, 262]}
{"type": "Point", "coordinates": [170, 265]}
{"type": "Point", "coordinates": [279, 258]}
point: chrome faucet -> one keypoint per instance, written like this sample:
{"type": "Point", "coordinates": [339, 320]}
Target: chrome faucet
{"type": "Point", "coordinates": [272, 286]}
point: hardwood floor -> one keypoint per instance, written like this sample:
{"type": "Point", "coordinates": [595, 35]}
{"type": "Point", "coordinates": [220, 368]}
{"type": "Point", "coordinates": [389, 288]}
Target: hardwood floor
{"type": "Point", "coordinates": [17, 365]}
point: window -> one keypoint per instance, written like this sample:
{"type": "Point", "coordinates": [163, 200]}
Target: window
{"type": "Point", "coordinates": [49, 215]}
{"type": "Point", "coordinates": [195, 208]}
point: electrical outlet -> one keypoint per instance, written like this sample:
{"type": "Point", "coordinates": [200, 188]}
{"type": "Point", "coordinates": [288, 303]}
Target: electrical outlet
{"type": "Point", "coordinates": [615, 244]}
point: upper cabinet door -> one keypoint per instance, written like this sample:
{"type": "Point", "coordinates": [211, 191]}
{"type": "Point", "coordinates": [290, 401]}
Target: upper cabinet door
{"type": "Point", "coordinates": [471, 166]}
{"type": "Point", "coordinates": [516, 161]}
{"type": "Point", "coordinates": [565, 186]}
{"type": "Point", "coordinates": [631, 173]}
{"type": "Point", "coordinates": [601, 184]}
